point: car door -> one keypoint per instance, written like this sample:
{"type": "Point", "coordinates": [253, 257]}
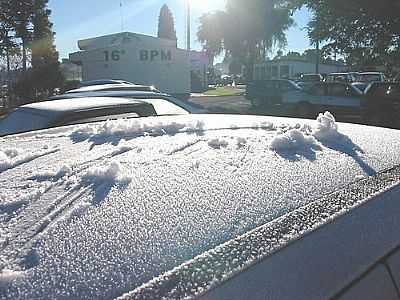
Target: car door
{"type": "Point", "coordinates": [317, 96]}
{"type": "Point", "coordinates": [343, 99]}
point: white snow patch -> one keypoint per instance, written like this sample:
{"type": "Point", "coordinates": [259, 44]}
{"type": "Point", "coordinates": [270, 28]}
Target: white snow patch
{"type": "Point", "coordinates": [136, 127]}
{"type": "Point", "coordinates": [7, 276]}
{"type": "Point", "coordinates": [217, 143]}
{"type": "Point", "coordinates": [13, 152]}
{"type": "Point", "coordinates": [293, 140]}
{"type": "Point", "coordinates": [327, 128]}
{"type": "Point", "coordinates": [110, 173]}
{"type": "Point", "coordinates": [195, 165]}
{"type": "Point", "coordinates": [122, 148]}
{"type": "Point", "coordinates": [12, 157]}
{"type": "Point", "coordinates": [63, 171]}
{"type": "Point", "coordinates": [240, 142]}
{"type": "Point", "coordinates": [60, 173]}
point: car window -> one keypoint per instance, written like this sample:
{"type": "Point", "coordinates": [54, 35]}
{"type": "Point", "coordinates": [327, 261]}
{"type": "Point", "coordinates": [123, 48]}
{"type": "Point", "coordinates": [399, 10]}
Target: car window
{"type": "Point", "coordinates": [142, 110]}
{"type": "Point", "coordinates": [22, 120]}
{"type": "Point", "coordinates": [371, 77]}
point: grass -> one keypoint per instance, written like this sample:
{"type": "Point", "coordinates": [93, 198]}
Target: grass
{"type": "Point", "coordinates": [224, 92]}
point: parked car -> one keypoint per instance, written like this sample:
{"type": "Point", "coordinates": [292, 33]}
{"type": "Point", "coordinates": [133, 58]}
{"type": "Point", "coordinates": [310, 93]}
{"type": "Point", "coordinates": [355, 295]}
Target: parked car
{"type": "Point", "coordinates": [342, 77]}
{"type": "Point", "coordinates": [114, 87]}
{"type": "Point", "coordinates": [197, 206]}
{"type": "Point", "coordinates": [56, 113]}
{"type": "Point", "coordinates": [362, 86]}
{"type": "Point", "coordinates": [102, 82]}
{"type": "Point", "coordinates": [382, 105]}
{"type": "Point", "coordinates": [372, 77]}
{"type": "Point", "coordinates": [311, 78]}
{"type": "Point", "coordinates": [129, 94]}
{"type": "Point", "coordinates": [226, 80]}
{"type": "Point", "coordinates": [338, 97]}
{"type": "Point", "coordinates": [307, 80]}
{"type": "Point", "coordinates": [269, 92]}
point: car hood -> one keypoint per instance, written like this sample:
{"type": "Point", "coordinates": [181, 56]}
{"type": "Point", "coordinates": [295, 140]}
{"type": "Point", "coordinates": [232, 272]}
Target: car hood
{"type": "Point", "coordinates": [96, 210]}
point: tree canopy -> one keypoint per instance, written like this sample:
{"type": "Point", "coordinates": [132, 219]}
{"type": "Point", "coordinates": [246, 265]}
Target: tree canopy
{"type": "Point", "coordinates": [364, 32]}
{"type": "Point", "coordinates": [25, 30]}
{"type": "Point", "coordinates": [246, 29]}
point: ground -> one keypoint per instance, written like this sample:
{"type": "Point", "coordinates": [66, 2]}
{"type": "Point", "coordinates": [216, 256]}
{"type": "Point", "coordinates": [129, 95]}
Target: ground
{"type": "Point", "coordinates": [224, 91]}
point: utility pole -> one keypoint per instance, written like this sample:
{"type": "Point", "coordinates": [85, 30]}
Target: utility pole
{"type": "Point", "coordinates": [122, 15]}
{"type": "Point", "coordinates": [188, 25]}
{"type": "Point", "coordinates": [317, 58]}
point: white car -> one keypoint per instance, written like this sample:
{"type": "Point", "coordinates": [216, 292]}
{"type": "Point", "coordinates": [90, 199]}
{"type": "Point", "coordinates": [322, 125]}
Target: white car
{"type": "Point", "coordinates": [132, 94]}
{"type": "Point", "coordinates": [341, 98]}
{"type": "Point", "coordinates": [372, 77]}
{"type": "Point", "coordinates": [197, 206]}
{"type": "Point", "coordinates": [56, 113]}
{"type": "Point", "coordinates": [343, 77]}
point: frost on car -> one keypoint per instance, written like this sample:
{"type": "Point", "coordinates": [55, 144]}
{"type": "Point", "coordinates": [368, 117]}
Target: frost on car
{"type": "Point", "coordinates": [172, 207]}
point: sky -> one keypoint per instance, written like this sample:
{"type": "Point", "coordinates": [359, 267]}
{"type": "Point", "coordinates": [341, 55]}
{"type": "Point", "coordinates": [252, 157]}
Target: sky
{"type": "Point", "coordinates": [74, 20]}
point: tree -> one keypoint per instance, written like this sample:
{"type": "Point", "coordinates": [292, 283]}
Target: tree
{"type": "Point", "coordinates": [21, 16]}
{"type": "Point", "coordinates": [26, 32]}
{"type": "Point", "coordinates": [211, 33]}
{"type": "Point", "coordinates": [166, 27]}
{"type": "Point", "coordinates": [362, 31]}
{"type": "Point", "coordinates": [293, 54]}
{"type": "Point", "coordinates": [45, 65]}
{"type": "Point", "coordinates": [247, 29]}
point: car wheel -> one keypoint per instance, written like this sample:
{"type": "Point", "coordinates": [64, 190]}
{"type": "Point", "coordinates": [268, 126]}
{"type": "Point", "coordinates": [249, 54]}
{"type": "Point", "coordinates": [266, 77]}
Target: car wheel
{"type": "Point", "coordinates": [304, 110]}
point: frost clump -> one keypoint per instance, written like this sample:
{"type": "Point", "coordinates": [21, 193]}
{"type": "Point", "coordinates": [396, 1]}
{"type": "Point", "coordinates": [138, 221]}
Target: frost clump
{"type": "Point", "coordinates": [135, 127]}
{"type": "Point", "coordinates": [293, 140]}
{"type": "Point", "coordinates": [7, 156]}
{"type": "Point", "coordinates": [110, 173]}
{"type": "Point", "coordinates": [63, 171]}
{"type": "Point", "coordinates": [217, 143]}
{"type": "Point", "coordinates": [241, 142]}
{"type": "Point", "coordinates": [8, 276]}
{"type": "Point", "coordinates": [327, 129]}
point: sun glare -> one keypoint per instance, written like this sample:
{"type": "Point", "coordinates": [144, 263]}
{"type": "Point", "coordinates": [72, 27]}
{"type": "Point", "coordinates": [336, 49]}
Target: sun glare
{"type": "Point", "coordinates": [206, 5]}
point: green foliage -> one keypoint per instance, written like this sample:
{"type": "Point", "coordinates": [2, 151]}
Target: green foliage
{"type": "Point", "coordinates": [246, 29]}
{"type": "Point", "coordinates": [211, 33]}
{"type": "Point", "coordinates": [25, 28]}
{"type": "Point", "coordinates": [166, 27]}
{"type": "Point", "coordinates": [365, 32]}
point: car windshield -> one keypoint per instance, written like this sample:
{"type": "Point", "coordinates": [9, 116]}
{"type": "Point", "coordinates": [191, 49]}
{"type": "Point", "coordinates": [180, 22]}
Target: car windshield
{"type": "Point", "coordinates": [164, 107]}
{"type": "Point", "coordinates": [370, 77]}
{"type": "Point", "coordinates": [22, 120]}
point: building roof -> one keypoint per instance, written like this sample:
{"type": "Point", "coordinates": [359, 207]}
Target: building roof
{"type": "Point", "coordinates": [285, 59]}
{"type": "Point", "coordinates": [121, 39]}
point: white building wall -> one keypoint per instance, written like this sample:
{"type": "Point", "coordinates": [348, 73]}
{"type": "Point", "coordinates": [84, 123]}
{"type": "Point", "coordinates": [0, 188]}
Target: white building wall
{"type": "Point", "coordinates": [136, 58]}
{"type": "Point", "coordinates": [275, 69]}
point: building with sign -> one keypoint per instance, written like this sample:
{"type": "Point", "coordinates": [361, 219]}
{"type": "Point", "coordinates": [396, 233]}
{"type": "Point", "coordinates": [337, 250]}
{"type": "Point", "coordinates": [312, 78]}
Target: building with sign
{"type": "Point", "coordinates": [137, 58]}
{"type": "Point", "coordinates": [292, 68]}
